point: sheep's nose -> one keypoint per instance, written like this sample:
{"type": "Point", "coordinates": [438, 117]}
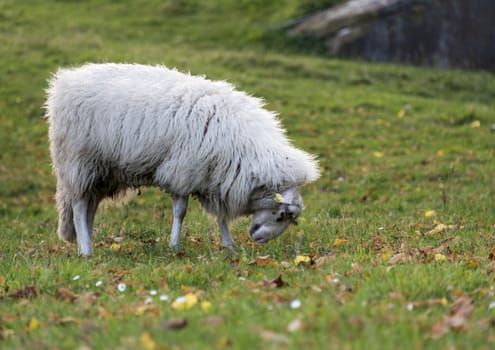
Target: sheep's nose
{"type": "Point", "coordinates": [253, 229]}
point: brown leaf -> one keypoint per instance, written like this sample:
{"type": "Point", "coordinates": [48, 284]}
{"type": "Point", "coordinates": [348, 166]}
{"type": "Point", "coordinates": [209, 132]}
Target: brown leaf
{"type": "Point", "coordinates": [89, 297]}
{"type": "Point", "coordinates": [24, 293]}
{"type": "Point", "coordinates": [66, 320]}
{"type": "Point", "coordinates": [214, 320]}
{"type": "Point", "coordinates": [463, 307]}
{"type": "Point", "coordinates": [460, 311]}
{"type": "Point", "coordinates": [66, 294]}
{"type": "Point", "coordinates": [274, 337]}
{"type": "Point", "coordinates": [275, 283]}
{"type": "Point", "coordinates": [174, 324]}
{"type": "Point", "coordinates": [490, 267]}
{"type": "Point", "coordinates": [263, 260]}
{"type": "Point", "coordinates": [399, 257]}
{"type": "Point", "coordinates": [356, 268]}
{"type": "Point", "coordinates": [491, 255]}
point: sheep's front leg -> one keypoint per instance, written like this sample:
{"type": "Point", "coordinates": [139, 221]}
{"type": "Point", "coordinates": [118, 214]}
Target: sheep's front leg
{"type": "Point", "coordinates": [226, 238]}
{"type": "Point", "coordinates": [179, 209]}
{"type": "Point", "coordinates": [80, 211]}
{"type": "Point", "coordinates": [92, 206]}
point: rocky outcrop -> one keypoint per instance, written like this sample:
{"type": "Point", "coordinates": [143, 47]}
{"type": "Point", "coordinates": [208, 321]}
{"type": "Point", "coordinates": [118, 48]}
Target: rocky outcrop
{"type": "Point", "coordinates": [441, 33]}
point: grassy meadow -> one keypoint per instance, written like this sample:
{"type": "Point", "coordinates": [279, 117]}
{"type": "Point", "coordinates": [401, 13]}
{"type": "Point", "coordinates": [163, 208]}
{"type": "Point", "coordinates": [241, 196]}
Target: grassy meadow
{"type": "Point", "coordinates": [395, 247]}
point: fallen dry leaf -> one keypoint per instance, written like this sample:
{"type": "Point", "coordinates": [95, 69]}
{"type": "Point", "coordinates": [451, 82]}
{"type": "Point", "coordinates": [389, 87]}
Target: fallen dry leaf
{"type": "Point", "coordinates": [472, 263]}
{"type": "Point", "coordinates": [440, 228]}
{"type": "Point", "coordinates": [295, 325]}
{"type": "Point", "coordinates": [491, 255]}
{"type": "Point", "coordinates": [146, 309]}
{"type": "Point", "coordinates": [24, 293]}
{"type": "Point", "coordinates": [460, 311]}
{"type": "Point", "coordinates": [490, 267]}
{"type": "Point", "coordinates": [66, 320]}
{"type": "Point", "coordinates": [340, 242]}
{"type": "Point", "coordinates": [214, 320]}
{"type": "Point", "coordinates": [302, 260]}
{"type": "Point", "coordinates": [205, 306]}
{"type": "Point", "coordinates": [33, 324]}
{"type": "Point", "coordinates": [6, 333]}
{"type": "Point", "coordinates": [274, 337]}
{"type": "Point", "coordinates": [275, 283]}
{"type": "Point", "coordinates": [147, 342]}
{"type": "Point", "coordinates": [440, 258]}
{"type": "Point", "coordinates": [174, 324]}
{"type": "Point", "coordinates": [356, 268]}
{"type": "Point", "coordinates": [185, 302]}
{"type": "Point", "coordinates": [66, 294]}
{"type": "Point", "coordinates": [263, 260]}
{"type": "Point", "coordinates": [430, 213]}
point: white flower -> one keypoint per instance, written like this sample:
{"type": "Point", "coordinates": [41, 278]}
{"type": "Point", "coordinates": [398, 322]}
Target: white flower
{"type": "Point", "coordinates": [491, 305]}
{"type": "Point", "coordinates": [76, 277]}
{"type": "Point", "coordinates": [121, 287]}
{"type": "Point", "coordinates": [153, 292]}
{"type": "Point", "coordinates": [164, 297]}
{"type": "Point", "coordinates": [98, 283]}
{"type": "Point", "coordinates": [295, 304]}
{"type": "Point", "coordinates": [410, 306]}
{"type": "Point", "coordinates": [148, 300]}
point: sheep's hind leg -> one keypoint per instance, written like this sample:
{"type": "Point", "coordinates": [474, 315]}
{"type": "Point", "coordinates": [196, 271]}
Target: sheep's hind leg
{"type": "Point", "coordinates": [226, 238]}
{"type": "Point", "coordinates": [179, 209]}
{"type": "Point", "coordinates": [80, 209]}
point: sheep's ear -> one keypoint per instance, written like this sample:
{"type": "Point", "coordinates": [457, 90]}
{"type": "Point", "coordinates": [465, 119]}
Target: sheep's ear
{"type": "Point", "coordinates": [293, 200]}
{"type": "Point", "coordinates": [291, 196]}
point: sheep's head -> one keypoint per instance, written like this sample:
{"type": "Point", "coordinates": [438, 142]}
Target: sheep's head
{"type": "Point", "coordinates": [273, 214]}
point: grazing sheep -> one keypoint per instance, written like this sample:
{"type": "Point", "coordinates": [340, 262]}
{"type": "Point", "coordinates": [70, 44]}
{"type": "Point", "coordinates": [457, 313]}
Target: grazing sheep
{"type": "Point", "coordinates": [120, 126]}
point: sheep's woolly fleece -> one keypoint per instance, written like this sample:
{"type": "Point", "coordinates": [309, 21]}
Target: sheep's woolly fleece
{"type": "Point", "coordinates": [114, 126]}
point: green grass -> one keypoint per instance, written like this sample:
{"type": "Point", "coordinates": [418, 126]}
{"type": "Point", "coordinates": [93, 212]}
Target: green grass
{"type": "Point", "coordinates": [394, 142]}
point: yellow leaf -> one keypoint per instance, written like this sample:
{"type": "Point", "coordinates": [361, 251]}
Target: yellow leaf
{"type": "Point", "coordinates": [301, 259]}
{"type": "Point", "coordinates": [278, 197]}
{"type": "Point", "coordinates": [378, 154]}
{"type": "Point", "coordinates": [439, 228]}
{"type": "Point", "coordinates": [401, 113]}
{"type": "Point", "coordinates": [440, 153]}
{"type": "Point", "coordinates": [440, 258]}
{"type": "Point", "coordinates": [385, 256]}
{"type": "Point", "coordinates": [475, 124]}
{"type": "Point", "coordinates": [430, 213]}
{"type": "Point", "coordinates": [444, 301]}
{"type": "Point", "coordinates": [7, 333]}
{"type": "Point", "coordinates": [472, 264]}
{"type": "Point", "coordinates": [146, 341]}
{"type": "Point", "coordinates": [339, 242]}
{"type": "Point", "coordinates": [263, 260]}
{"type": "Point", "coordinates": [205, 306]}
{"type": "Point", "coordinates": [185, 302]}
{"type": "Point", "coordinates": [33, 324]}
{"type": "Point", "coordinates": [115, 247]}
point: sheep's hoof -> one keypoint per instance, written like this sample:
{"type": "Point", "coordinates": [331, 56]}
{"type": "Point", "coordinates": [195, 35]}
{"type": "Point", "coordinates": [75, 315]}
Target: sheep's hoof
{"type": "Point", "coordinates": [85, 253]}
{"type": "Point", "coordinates": [230, 247]}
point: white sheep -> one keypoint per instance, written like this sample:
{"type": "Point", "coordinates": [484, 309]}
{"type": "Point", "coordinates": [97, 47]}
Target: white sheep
{"type": "Point", "coordinates": [120, 126]}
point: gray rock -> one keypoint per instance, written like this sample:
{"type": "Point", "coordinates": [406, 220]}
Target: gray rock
{"type": "Point", "coordinates": [440, 33]}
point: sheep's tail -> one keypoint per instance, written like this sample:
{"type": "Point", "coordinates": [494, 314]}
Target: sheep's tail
{"type": "Point", "coordinates": [66, 229]}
